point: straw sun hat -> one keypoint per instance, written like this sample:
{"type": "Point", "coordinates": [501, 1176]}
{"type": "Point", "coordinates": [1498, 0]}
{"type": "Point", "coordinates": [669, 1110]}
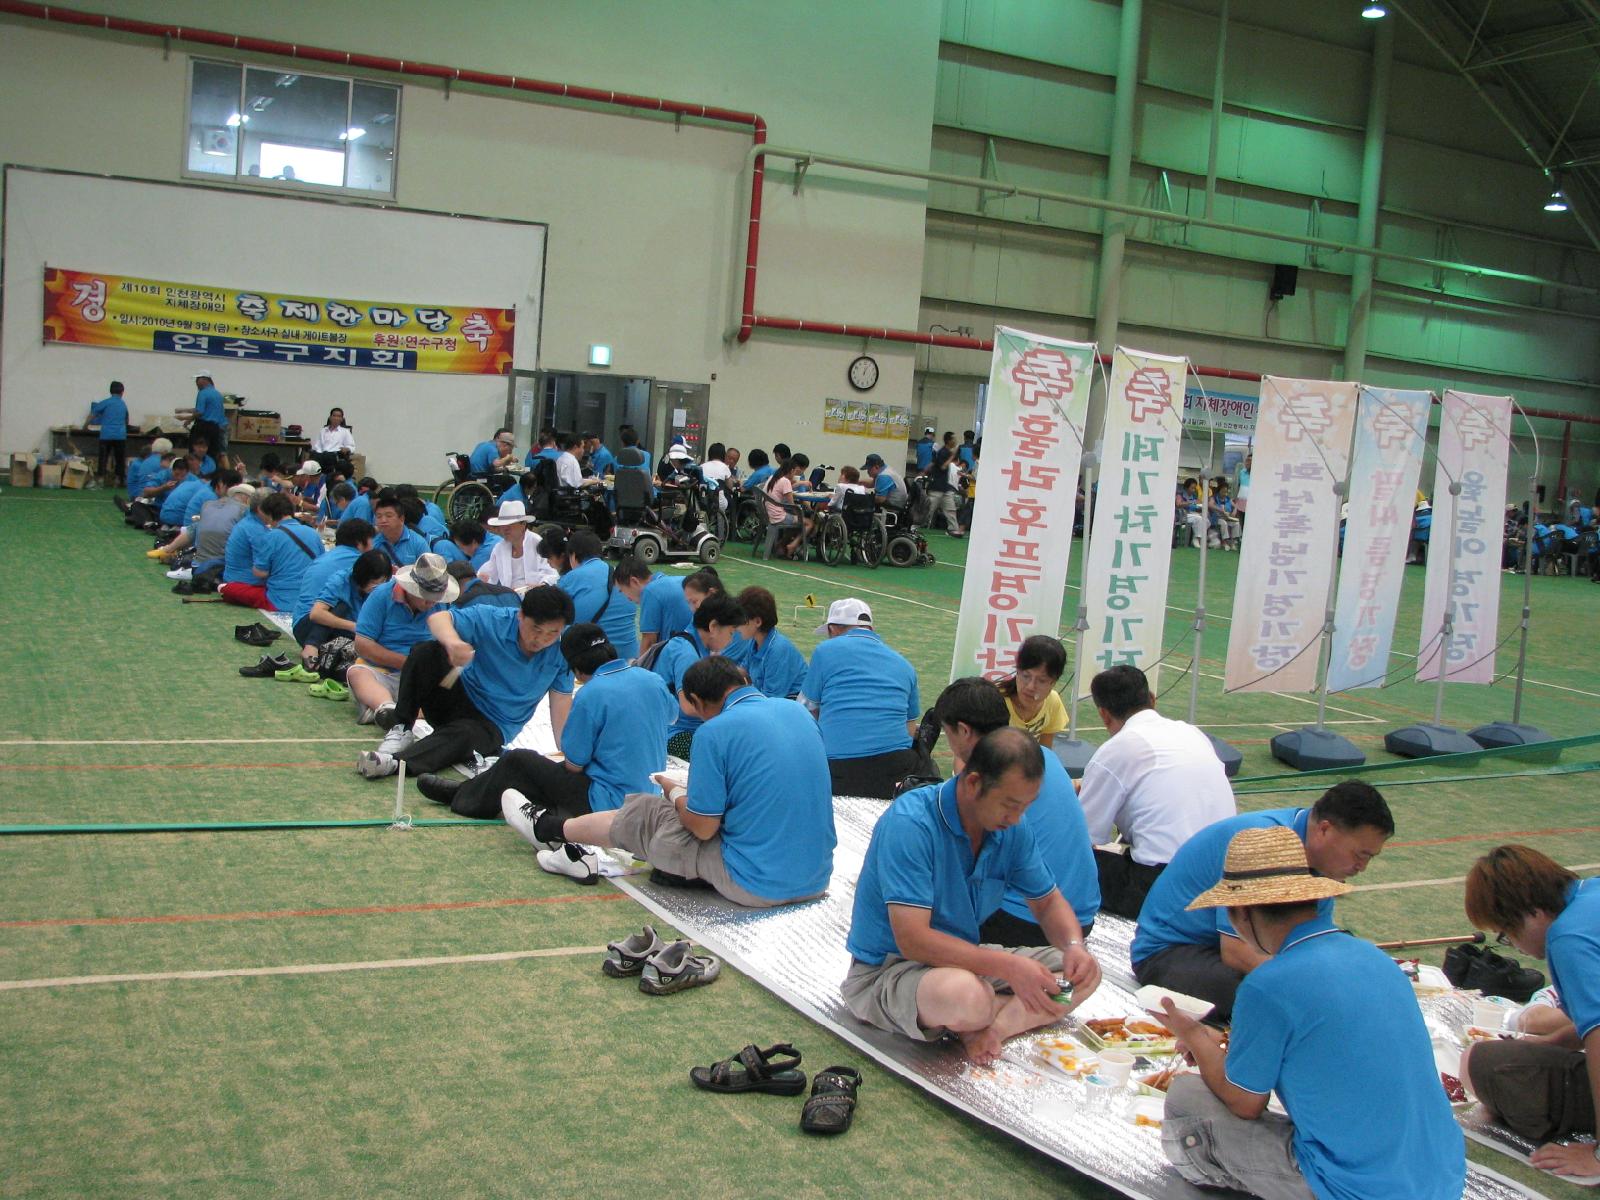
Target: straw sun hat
{"type": "Point", "coordinates": [1267, 866]}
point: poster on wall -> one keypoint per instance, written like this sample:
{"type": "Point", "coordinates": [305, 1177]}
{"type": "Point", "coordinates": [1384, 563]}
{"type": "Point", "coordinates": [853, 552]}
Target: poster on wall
{"type": "Point", "coordinates": [855, 417]}
{"type": "Point", "coordinates": [877, 420]}
{"type": "Point", "coordinates": [124, 312]}
{"type": "Point", "coordinates": [833, 418]}
{"type": "Point", "coordinates": [899, 423]}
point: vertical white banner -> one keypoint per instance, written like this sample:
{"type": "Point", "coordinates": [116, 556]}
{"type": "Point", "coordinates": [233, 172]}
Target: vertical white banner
{"type": "Point", "coordinates": [1130, 546]}
{"type": "Point", "coordinates": [1302, 446]}
{"type": "Point", "coordinates": [1391, 429]}
{"type": "Point", "coordinates": [1475, 448]}
{"type": "Point", "coordinates": [1021, 533]}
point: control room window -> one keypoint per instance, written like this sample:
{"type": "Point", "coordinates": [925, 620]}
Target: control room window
{"type": "Point", "coordinates": [289, 129]}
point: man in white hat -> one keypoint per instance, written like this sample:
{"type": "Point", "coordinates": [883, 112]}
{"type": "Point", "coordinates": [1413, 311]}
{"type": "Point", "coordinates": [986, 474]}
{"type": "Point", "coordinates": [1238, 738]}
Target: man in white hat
{"type": "Point", "coordinates": [392, 620]}
{"type": "Point", "coordinates": [307, 485]}
{"type": "Point", "coordinates": [865, 697]}
{"type": "Point", "coordinates": [1329, 1024]}
{"type": "Point", "coordinates": [515, 561]}
{"type": "Point", "coordinates": [477, 679]}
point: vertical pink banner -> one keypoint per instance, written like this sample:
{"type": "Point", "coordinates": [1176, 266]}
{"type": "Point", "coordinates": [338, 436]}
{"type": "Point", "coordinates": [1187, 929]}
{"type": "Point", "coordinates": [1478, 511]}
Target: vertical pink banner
{"type": "Point", "coordinates": [1302, 446]}
{"type": "Point", "coordinates": [1474, 448]}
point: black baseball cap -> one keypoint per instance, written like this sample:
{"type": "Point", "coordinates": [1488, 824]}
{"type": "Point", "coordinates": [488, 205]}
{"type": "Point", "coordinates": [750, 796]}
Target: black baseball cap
{"type": "Point", "coordinates": [873, 460]}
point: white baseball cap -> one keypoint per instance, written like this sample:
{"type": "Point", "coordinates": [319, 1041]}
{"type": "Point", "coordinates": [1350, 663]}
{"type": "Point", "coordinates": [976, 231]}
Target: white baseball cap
{"type": "Point", "coordinates": [310, 467]}
{"type": "Point", "coordinates": [848, 611]}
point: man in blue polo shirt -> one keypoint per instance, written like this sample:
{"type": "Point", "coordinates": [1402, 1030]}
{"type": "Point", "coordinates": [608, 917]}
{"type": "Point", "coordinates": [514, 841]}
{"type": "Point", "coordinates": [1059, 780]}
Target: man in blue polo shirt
{"type": "Point", "coordinates": [662, 607]}
{"type": "Point", "coordinates": [395, 538]}
{"type": "Point", "coordinates": [615, 739]}
{"type": "Point", "coordinates": [1199, 953]}
{"type": "Point", "coordinates": [361, 506]}
{"type": "Point", "coordinates": [925, 449]}
{"type": "Point", "coordinates": [140, 470]}
{"type": "Point", "coordinates": [597, 595]}
{"type": "Point", "coordinates": [713, 629]}
{"type": "Point", "coordinates": [283, 553]}
{"type": "Point", "coordinates": [1328, 1024]}
{"type": "Point", "coordinates": [972, 707]}
{"type": "Point", "coordinates": [111, 416]}
{"type": "Point", "coordinates": [210, 419]}
{"type": "Point", "coordinates": [866, 700]}
{"type": "Point", "coordinates": [940, 861]}
{"type": "Point", "coordinates": [887, 486]}
{"type": "Point", "coordinates": [494, 457]}
{"type": "Point", "coordinates": [392, 620]}
{"type": "Point", "coordinates": [186, 482]}
{"type": "Point", "coordinates": [508, 660]}
{"type": "Point", "coordinates": [601, 461]}
{"type": "Point", "coordinates": [350, 542]}
{"type": "Point", "coordinates": [755, 825]}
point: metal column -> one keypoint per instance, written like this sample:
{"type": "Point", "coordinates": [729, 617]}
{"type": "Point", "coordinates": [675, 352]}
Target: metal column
{"type": "Point", "coordinates": [1355, 345]}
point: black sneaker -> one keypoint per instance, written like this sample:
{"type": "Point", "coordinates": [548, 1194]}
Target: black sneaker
{"type": "Point", "coordinates": [437, 788]}
{"type": "Point", "coordinates": [256, 635]}
{"type": "Point", "coordinates": [1496, 975]}
{"type": "Point", "coordinates": [122, 503]}
{"type": "Point", "coordinates": [268, 666]}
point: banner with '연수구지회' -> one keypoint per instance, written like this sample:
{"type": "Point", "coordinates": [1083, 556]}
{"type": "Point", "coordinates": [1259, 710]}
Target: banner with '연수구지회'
{"type": "Point", "coordinates": [91, 308]}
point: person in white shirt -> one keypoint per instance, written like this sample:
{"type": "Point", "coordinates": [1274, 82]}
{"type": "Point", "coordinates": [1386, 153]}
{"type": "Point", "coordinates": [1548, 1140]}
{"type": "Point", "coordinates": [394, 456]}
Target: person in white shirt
{"type": "Point", "coordinates": [515, 562]}
{"type": "Point", "coordinates": [569, 472]}
{"type": "Point", "coordinates": [849, 481]}
{"type": "Point", "coordinates": [334, 445]}
{"type": "Point", "coordinates": [1156, 781]}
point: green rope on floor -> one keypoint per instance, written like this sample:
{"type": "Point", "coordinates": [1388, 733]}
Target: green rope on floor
{"type": "Point", "coordinates": [236, 826]}
{"type": "Point", "coordinates": [1562, 769]}
{"type": "Point", "coordinates": [1553, 748]}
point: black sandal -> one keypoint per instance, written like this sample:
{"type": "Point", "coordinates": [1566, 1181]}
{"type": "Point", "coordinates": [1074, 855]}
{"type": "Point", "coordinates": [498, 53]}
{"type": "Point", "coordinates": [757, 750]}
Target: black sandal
{"type": "Point", "coordinates": [754, 1070]}
{"type": "Point", "coordinates": [833, 1101]}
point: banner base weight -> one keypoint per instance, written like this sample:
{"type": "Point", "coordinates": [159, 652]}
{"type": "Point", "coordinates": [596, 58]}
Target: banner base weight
{"type": "Point", "coordinates": [1313, 749]}
{"type": "Point", "coordinates": [1425, 739]}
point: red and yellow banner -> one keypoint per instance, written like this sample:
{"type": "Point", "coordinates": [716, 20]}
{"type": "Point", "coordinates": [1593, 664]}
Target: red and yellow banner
{"type": "Point", "coordinates": [93, 309]}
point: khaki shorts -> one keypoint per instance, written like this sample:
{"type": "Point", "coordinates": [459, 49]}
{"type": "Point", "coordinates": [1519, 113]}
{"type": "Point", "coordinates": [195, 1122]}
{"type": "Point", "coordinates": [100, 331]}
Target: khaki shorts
{"type": "Point", "coordinates": [647, 826]}
{"type": "Point", "coordinates": [390, 680]}
{"type": "Point", "coordinates": [885, 995]}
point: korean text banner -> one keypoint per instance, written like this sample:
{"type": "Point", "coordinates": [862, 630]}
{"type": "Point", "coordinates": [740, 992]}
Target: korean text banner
{"type": "Point", "coordinates": [1130, 544]}
{"type": "Point", "coordinates": [119, 311]}
{"type": "Point", "coordinates": [1302, 447]}
{"type": "Point", "coordinates": [1475, 448]}
{"type": "Point", "coordinates": [1027, 491]}
{"type": "Point", "coordinates": [1391, 427]}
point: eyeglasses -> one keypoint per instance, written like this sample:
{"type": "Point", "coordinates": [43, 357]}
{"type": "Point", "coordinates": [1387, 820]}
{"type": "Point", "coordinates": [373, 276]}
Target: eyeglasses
{"type": "Point", "coordinates": [1501, 939]}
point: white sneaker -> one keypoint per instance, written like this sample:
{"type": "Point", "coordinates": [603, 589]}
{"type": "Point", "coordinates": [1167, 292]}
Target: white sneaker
{"type": "Point", "coordinates": [375, 764]}
{"type": "Point", "coordinates": [397, 739]}
{"type": "Point", "coordinates": [571, 859]}
{"type": "Point", "coordinates": [181, 573]}
{"type": "Point", "coordinates": [521, 813]}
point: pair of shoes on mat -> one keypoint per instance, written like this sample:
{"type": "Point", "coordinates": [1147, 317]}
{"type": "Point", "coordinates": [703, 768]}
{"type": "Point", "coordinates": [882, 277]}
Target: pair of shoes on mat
{"type": "Point", "coordinates": [329, 689]}
{"type": "Point", "coordinates": [775, 1071]}
{"type": "Point", "coordinates": [256, 635]}
{"type": "Point", "coordinates": [375, 764]}
{"type": "Point", "coordinates": [267, 667]}
{"type": "Point", "coordinates": [662, 968]}
{"type": "Point", "coordinates": [297, 673]}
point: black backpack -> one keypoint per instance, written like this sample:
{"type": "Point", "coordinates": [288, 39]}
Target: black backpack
{"type": "Point", "coordinates": [647, 660]}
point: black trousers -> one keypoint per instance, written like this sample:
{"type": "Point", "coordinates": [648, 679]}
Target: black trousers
{"type": "Point", "coordinates": [216, 437]}
{"type": "Point", "coordinates": [143, 512]}
{"type": "Point", "coordinates": [875, 775]}
{"type": "Point", "coordinates": [459, 728]}
{"type": "Point", "coordinates": [113, 450]}
{"type": "Point", "coordinates": [1124, 883]}
{"type": "Point", "coordinates": [1003, 929]}
{"type": "Point", "coordinates": [547, 783]}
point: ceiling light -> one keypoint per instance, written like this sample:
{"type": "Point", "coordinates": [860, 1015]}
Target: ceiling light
{"type": "Point", "coordinates": [351, 134]}
{"type": "Point", "coordinates": [1375, 11]}
{"type": "Point", "coordinates": [1557, 202]}
{"type": "Point", "coordinates": [237, 119]}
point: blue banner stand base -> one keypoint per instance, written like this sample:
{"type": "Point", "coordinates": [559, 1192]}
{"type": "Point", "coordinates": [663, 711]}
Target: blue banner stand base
{"type": "Point", "coordinates": [1425, 739]}
{"type": "Point", "coordinates": [1313, 749]}
{"type": "Point", "coordinates": [1231, 757]}
{"type": "Point", "coordinates": [1502, 735]}
{"type": "Point", "coordinates": [1074, 754]}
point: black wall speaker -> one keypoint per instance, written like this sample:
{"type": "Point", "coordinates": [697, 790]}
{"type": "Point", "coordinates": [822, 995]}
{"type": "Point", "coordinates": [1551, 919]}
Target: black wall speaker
{"type": "Point", "coordinates": [1283, 281]}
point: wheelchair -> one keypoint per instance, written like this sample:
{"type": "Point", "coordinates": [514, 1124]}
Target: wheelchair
{"type": "Point", "coordinates": [463, 496]}
{"type": "Point", "coordinates": [671, 526]}
{"type": "Point", "coordinates": [853, 532]}
{"type": "Point", "coordinates": [904, 544]}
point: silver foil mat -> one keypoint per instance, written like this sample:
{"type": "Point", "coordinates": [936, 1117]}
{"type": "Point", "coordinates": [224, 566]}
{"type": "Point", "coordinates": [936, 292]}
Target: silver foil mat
{"type": "Point", "coordinates": [798, 953]}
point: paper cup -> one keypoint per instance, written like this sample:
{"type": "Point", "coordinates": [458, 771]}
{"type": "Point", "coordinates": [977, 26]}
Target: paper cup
{"type": "Point", "coordinates": [1486, 1014]}
{"type": "Point", "coordinates": [1115, 1065]}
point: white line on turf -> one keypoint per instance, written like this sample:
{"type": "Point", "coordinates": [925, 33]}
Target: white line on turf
{"type": "Point", "coordinates": [1415, 883]}
{"type": "Point", "coordinates": [17, 985]}
{"type": "Point", "coordinates": [854, 588]}
{"type": "Point", "coordinates": [294, 741]}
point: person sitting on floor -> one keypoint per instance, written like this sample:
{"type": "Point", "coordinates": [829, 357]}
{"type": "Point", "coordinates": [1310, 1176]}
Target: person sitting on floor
{"type": "Point", "coordinates": [221, 484]}
{"type": "Point", "coordinates": [712, 630]}
{"type": "Point", "coordinates": [614, 740]}
{"type": "Point", "coordinates": [361, 506]}
{"type": "Point", "coordinates": [866, 700]}
{"type": "Point", "coordinates": [283, 553]}
{"type": "Point", "coordinates": [350, 542]}
{"type": "Point", "coordinates": [339, 601]}
{"type": "Point", "coordinates": [774, 665]}
{"type": "Point", "coordinates": [940, 860]}
{"type": "Point", "coordinates": [475, 591]}
{"type": "Point", "coordinates": [239, 584]}
{"type": "Point", "coordinates": [1378, 1126]}
{"type": "Point", "coordinates": [755, 825]}
{"type": "Point", "coordinates": [1548, 1087]}
{"type": "Point", "coordinates": [515, 562]}
{"type": "Point", "coordinates": [508, 661]}
{"type": "Point", "coordinates": [185, 483]}
{"type": "Point", "coordinates": [306, 486]}
{"type": "Point", "coordinates": [466, 536]}
{"type": "Point", "coordinates": [214, 527]}
{"type": "Point", "coordinates": [140, 470]}
{"type": "Point", "coordinates": [335, 503]}
{"type": "Point", "coordinates": [395, 537]}
{"type": "Point", "coordinates": [426, 517]}
{"type": "Point", "coordinates": [1155, 781]}
{"type": "Point", "coordinates": [596, 596]}
{"type": "Point", "coordinates": [392, 620]}
{"type": "Point", "coordinates": [970, 708]}
{"type": "Point", "coordinates": [663, 609]}
{"type": "Point", "coordinates": [1199, 953]}
{"type": "Point", "coordinates": [1031, 694]}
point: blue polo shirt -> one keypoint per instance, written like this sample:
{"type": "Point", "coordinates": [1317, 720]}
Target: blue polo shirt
{"type": "Point", "coordinates": [921, 857]}
{"type": "Point", "coordinates": [111, 414]}
{"type": "Point", "coordinates": [387, 620]}
{"type": "Point", "coordinates": [447, 550]}
{"type": "Point", "coordinates": [775, 666]}
{"type": "Point", "coordinates": [198, 498]}
{"type": "Point", "coordinates": [617, 732]}
{"type": "Point", "coordinates": [1062, 835]}
{"type": "Point", "coordinates": [279, 553]}
{"type": "Point", "coordinates": [208, 406]}
{"type": "Point", "coordinates": [138, 468]}
{"type": "Point", "coordinates": [155, 476]}
{"type": "Point", "coordinates": [514, 492]}
{"type": "Point", "coordinates": [662, 609]}
{"type": "Point", "coordinates": [602, 462]}
{"type": "Point", "coordinates": [340, 594]}
{"type": "Point", "coordinates": [360, 507]}
{"type": "Point", "coordinates": [430, 527]}
{"type": "Point", "coordinates": [1377, 1129]}
{"type": "Point", "coordinates": [177, 500]}
{"type": "Point", "coordinates": [404, 552]}
{"type": "Point", "coordinates": [924, 454]}
{"type": "Point", "coordinates": [328, 508]}
{"type": "Point", "coordinates": [317, 576]}
{"type": "Point", "coordinates": [504, 682]}
{"type": "Point", "coordinates": [759, 477]}
{"type": "Point", "coordinates": [481, 461]}
{"type": "Point", "coordinates": [865, 693]}
{"type": "Point", "coordinates": [676, 657]}
{"type": "Point", "coordinates": [434, 511]}
{"type": "Point", "coordinates": [240, 551]}
{"type": "Point", "coordinates": [759, 766]}
{"type": "Point", "coordinates": [534, 456]}
{"type": "Point", "coordinates": [491, 539]}
{"type": "Point", "coordinates": [586, 584]}
{"type": "Point", "coordinates": [967, 453]}
{"type": "Point", "coordinates": [1572, 947]}
{"type": "Point", "coordinates": [1165, 920]}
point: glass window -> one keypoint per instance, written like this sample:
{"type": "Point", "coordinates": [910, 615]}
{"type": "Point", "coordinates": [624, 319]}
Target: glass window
{"type": "Point", "coordinates": [288, 128]}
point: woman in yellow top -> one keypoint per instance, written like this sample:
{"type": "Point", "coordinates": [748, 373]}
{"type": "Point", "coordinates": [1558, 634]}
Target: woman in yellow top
{"type": "Point", "coordinates": [1031, 694]}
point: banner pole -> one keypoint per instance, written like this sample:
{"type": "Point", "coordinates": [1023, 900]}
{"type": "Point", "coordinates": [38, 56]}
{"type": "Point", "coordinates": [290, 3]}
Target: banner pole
{"type": "Point", "coordinates": [1341, 488]}
{"type": "Point", "coordinates": [1527, 606]}
{"type": "Point", "coordinates": [1074, 752]}
{"type": "Point", "coordinates": [1447, 633]}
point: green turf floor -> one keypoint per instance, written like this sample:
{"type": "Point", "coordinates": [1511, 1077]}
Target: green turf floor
{"type": "Point", "coordinates": [537, 1076]}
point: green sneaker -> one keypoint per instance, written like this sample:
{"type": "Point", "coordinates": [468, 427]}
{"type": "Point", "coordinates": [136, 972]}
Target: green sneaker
{"type": "Point", "coordinates": [297, 674]}
{"type": "Point", "coordinates": [329, 689]}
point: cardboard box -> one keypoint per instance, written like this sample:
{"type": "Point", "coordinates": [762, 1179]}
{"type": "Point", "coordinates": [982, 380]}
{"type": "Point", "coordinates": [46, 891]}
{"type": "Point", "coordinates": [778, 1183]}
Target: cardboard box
{"type": "Point", "coordinates": [75, 475]}
{"type": "Point", "coordinates": [48, 475]}
{"type": "Point", "coordinates": [259, 425]}
{"type": "Point", "coordinates": [359, 463]}
{"type": "Point", "coordinates": [21, 470]}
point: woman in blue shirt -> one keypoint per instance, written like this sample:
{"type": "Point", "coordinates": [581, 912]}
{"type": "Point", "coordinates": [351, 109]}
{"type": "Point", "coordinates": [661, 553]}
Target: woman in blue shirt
{"type": "Point", "coordinates": [772, 662]}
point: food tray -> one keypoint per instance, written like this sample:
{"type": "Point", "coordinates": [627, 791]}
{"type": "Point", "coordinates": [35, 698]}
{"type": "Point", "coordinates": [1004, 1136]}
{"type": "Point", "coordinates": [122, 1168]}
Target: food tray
{"type": "Point", "coordinates": [1136, 1044]}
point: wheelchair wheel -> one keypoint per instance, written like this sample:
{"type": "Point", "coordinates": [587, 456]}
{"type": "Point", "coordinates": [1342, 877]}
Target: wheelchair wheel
{"type": "Point", "coordinates": [470, 501]}
{"type": "Point", "coordinates": [902, 552]}
{"type": "Point", "coordinates": [441, 494]}
{"type": "Point", "coordinates": [835, 540]}
{"type": "Point", "coordinates": [749, 522]}
{"type": "Point", "coordinates": [648, 547]}
{"type": "Point", "coordinates": [872, 546]}
{"type": "Point", "coordinates": [710, 549]}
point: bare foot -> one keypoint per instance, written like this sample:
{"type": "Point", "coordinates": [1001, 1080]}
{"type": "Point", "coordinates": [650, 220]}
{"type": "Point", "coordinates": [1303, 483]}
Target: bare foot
{"type": "Point", "coordinates": [983, 1045]}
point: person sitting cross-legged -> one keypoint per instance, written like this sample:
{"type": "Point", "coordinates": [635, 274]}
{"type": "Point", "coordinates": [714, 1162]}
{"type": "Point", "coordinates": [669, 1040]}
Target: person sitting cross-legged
{"type": "Point", "coordinates": [222, 483]}
{"type": "Point", "coordinates": [1328, 1024]}
{"type": "Point", "coordinates": [614, 740]}
{"type": "Point", "coordinates": [339, 601]}
{"type": "Point", "coordinates": [941, 860]}
{"type": "Point", "coordinates": [477, 681]}
{"type": "Point", "coordinates": [754, 824]}
{"type": "Point", "coordinates": [350, 541]}
{"type": "Point", "coordinates": [775, 666]}
{"type": "Point", "coordinates": [397, 539]}
{"type": "Point", "coordinates": [284, 553]}
{"type": "Point", "coordinates": [712, 630]}
{"type": "Point", "coordinates": [392, 620]}
{"type": "Point", "coordinates": [661, 599]}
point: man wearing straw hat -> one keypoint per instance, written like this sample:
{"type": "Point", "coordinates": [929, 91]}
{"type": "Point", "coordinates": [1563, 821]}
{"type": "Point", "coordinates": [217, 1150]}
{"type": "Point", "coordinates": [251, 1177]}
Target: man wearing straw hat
{"type": "Point", "coordinates": [1329, 1024]}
